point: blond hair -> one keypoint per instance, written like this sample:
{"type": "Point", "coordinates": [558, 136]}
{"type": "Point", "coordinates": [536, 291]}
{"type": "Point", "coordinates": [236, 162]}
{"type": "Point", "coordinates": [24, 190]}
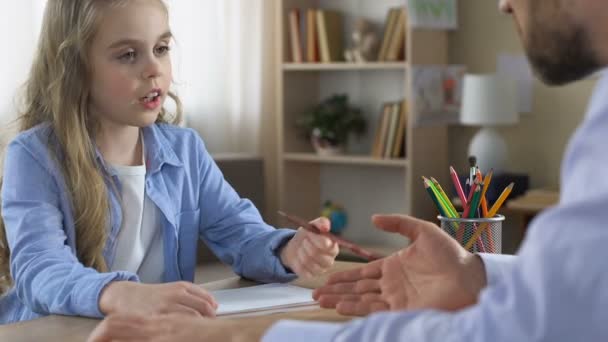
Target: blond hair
{"type": "Point", "coordinates": [58, 92]}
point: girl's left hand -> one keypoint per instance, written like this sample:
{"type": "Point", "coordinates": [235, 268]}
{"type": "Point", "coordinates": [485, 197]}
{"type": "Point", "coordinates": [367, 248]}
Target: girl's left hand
{"type": "Point", "coordinates": [309, 254]}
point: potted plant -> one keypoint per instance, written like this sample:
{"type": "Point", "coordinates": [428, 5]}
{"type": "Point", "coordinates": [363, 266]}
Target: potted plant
{"type": "Point", "coordinates": [329, 124]}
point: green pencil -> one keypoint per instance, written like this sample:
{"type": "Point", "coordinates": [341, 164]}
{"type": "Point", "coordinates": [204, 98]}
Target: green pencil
{"type": "Point", "coordinates": [427, 186]}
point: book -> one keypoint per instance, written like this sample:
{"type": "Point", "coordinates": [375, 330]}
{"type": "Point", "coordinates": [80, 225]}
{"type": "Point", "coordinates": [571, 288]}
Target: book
{"type": "Point", "coordinates": [397, 42]}
{"type": "Point", "coordinates": [385, 120]}
{"type": "Point", "coordinates": [399, 145]}
{"type": "Point", "coordinates": [263, 299]}
{"type": "Point", "coordinates": [329, 32]}
{"type": "Point", "coordinates": [388, 30]}
{"type": "Point", "coordinates": [312, 46]}
{"type": "Point", "coordinates": [392, 129]}
{"type": "Point", "coordinates": [295, 35]}
{"type": "Point", "coordinates": [376, 143]}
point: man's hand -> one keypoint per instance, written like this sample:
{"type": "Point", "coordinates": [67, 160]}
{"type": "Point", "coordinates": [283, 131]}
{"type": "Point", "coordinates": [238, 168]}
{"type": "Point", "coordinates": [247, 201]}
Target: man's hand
{"type": "Point", "coordinates": [309, 254]}
{"type": "Point", "coordinates": [125, 297]}
{"type": "Point", "coordinates": [433, 272]}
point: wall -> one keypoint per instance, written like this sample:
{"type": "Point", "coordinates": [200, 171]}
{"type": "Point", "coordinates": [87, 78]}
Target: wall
{"type": "Point", "coordinates": [537, 143]}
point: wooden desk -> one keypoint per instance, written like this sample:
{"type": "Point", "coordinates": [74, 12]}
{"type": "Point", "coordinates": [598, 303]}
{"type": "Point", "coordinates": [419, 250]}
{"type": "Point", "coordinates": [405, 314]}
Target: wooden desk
{"type": "Point", "coordinates": [526, 207]}
{"type": "Point", "coordinates": [67, 329]}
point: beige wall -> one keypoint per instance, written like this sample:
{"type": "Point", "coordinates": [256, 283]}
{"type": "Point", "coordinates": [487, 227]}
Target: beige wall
{"type": "Point", "coordinates": [537, 143]}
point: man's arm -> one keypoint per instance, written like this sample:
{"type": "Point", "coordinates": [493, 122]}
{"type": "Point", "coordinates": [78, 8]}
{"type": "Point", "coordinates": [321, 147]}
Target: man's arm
{"type": "Point", "coordinates": [553, 291]}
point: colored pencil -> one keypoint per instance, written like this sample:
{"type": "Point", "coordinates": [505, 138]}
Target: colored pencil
{"type": "Point", "coordinates": [475, 201]}
{"type": "Point", "coordinates": [501, 199]}
{"type": "Point", "coordinates": [484, 205]}
{"type": "Point", "coordinates": [444, 195]}
{"type": "Point", "coordinates": [493, 211]}
{"type": "Point", "coordinates": [458, 187]}
{"type": "Point", "coordinates": [428, 189]}
{"type": "Point", "coordinates": [446, 207]}
{"type": "Point", "coordinates": [486, 185]}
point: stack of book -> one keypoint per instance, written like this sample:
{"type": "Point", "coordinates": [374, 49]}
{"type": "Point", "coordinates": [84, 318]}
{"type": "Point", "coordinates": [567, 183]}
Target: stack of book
{"type": "Point", "coordinates": [320, 31]}
{"type": "Point", "coordinates": [316, 36]}
{"type": "Point", "coordinates": [389, 141]}
{"type": "Point", "coordinates": [394, 37]}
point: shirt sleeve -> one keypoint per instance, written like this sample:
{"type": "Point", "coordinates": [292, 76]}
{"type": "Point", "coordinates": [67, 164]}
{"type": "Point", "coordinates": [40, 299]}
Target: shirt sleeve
{"type": "Point", "coordinates": [234, 230]}
{"type": "Point", "coordinates": [48, 277]}
{"type": "Point", "coordinates": [497, 266]}
{"type": "Point", "coordinates": [553, 291]}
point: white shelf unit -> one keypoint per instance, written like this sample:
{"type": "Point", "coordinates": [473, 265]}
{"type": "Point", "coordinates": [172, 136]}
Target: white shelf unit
{"type": "Point", "coordinates": [362, 184]}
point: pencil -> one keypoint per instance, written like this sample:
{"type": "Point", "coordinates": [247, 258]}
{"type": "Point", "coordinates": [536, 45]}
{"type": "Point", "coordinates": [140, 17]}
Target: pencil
{"type": "Point", "coordinates": [440, 199]}
{"type": "Point", "coordinates": [458, 187]}
{"type": "Point", "coordinates": [445, 196]}
{"type": "Point", "coordinates": [501, 199]}
{"type": "Point", "coordinates": [493, 211]}
{"type": "Point", "coordinates": [484, 205]}
{"type": "Point", "coordinates": [360, 251]}
{"type": "Point", "coordinates": [428, 189]}
{"type": "Point", "coordinates": [475, 202]}
{"type": "Point", "coordinates": [468, 209]}
{"type": "Point", "coordinates": [486, 185]}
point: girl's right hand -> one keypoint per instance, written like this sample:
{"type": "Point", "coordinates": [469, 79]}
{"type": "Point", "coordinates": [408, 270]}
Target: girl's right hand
{"type": "Point", "coordinates": [124, 297]}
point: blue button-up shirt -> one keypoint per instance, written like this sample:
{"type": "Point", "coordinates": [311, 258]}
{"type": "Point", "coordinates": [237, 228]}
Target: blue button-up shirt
{"type": "Point", "coordinates": [555, 290]}
{"type": "Point", "coordinates": [181, 179]}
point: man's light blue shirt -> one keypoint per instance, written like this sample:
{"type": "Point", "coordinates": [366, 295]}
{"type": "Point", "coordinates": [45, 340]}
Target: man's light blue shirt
{"type": "Point", "coordinates": [181, 179]}
{"type": "Point", "coordinates": [555, 290]}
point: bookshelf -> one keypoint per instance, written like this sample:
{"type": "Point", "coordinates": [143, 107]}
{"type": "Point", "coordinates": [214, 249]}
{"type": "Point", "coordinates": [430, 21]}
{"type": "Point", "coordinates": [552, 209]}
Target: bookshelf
{"type": "Point", "coordinates": [362, 184]}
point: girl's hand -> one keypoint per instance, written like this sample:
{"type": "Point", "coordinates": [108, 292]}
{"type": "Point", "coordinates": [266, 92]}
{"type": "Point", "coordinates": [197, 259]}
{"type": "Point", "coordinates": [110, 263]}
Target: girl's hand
{"type": "Point", "coordinates": [125, 297]}
{"type": "Point", "coordinates": [309, 254]}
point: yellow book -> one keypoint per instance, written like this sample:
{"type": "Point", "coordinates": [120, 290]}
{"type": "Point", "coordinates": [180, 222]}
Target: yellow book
{"type": "Point", "coordinates": [329, 30]}
{"type": "Point", "coordinates": [386, 116]}
{"type": "Point", "coordinates": [392, 130]}
{"type": "Point", "coordinates": [294, 36]}
{"type": "Point", "coordinates": [397, 44]}
{"type": "Point", "coordinates": [400, 140]}
{"type": "Point", "coordinates": [388, 30]}
{"type": "Point", "coordinates": [312, 47]}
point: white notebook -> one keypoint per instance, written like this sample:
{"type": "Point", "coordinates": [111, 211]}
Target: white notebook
{"type": "Point", "coordinates": [263, 299]}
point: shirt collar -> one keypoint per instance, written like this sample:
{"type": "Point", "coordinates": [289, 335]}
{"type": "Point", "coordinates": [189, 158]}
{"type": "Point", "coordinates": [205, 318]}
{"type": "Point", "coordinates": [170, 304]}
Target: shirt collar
{"type": "Point", "coordinates": [158, 152]}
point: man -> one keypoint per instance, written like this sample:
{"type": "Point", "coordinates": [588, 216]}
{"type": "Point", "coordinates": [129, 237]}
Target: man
{"type": "Point", "coordinates": [552, 291]}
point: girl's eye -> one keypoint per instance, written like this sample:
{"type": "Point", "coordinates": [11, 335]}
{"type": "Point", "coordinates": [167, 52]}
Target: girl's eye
{"type": "Point", "coordinates": [127, 56]}
{"type": "Point", "coordinates": [162, 50]}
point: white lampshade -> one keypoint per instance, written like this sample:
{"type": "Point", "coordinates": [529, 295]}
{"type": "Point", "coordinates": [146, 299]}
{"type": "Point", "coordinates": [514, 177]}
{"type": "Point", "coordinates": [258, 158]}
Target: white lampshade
{"type": "Point", "coordinates": [488, 100]}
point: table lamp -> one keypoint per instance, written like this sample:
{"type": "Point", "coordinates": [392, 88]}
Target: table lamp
{"type": "Point", "coordinates": [489, 100]}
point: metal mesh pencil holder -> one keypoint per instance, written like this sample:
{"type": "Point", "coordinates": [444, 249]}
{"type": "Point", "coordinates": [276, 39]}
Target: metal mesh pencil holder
{"type": "Point", "coordinates": [477, 235]}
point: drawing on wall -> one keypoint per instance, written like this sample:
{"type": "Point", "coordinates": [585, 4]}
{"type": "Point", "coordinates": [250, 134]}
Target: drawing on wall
{"type": "Point", "coordinates": [438, 90]}
{"type": "Point", "coordinates": [433, 14]}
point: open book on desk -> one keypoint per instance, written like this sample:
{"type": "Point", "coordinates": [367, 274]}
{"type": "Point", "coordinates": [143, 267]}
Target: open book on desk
{"type": "Point", "coordinates": [263, 300]}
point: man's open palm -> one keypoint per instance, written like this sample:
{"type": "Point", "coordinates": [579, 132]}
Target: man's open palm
{"type": "Point", "coordinates": [434, 271]}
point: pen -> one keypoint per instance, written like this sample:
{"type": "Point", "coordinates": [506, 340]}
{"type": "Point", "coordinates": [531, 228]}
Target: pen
{"type": "Point", "coordinates": [360, 251]}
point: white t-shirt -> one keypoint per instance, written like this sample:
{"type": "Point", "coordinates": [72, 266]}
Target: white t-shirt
{"type": "Point", "coordinates": [139, 245]}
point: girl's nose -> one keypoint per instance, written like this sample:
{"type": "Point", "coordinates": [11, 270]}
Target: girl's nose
{"type": "Point", "coordinates": [153, 69]}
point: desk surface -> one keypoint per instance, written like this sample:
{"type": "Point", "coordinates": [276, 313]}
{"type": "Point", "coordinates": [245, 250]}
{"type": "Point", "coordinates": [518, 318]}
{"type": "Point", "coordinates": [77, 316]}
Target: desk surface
{"type": "Point", "coordinates": [68, 329]}
{"type": "Point", "coordinates": [534, 201]}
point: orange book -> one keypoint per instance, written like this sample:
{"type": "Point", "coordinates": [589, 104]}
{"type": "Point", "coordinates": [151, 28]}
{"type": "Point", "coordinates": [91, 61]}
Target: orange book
{"type": "Point", "coordinates": [294, 35]}
{"type": "Point", "coordinates": [312, 46]}
{"type": "Point", "coordinates": [397, 44]}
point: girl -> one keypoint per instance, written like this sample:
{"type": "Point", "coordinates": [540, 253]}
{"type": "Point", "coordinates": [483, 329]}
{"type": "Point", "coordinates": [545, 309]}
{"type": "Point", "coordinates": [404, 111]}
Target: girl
{"type": "Point", "coordinates": [103, 199]}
